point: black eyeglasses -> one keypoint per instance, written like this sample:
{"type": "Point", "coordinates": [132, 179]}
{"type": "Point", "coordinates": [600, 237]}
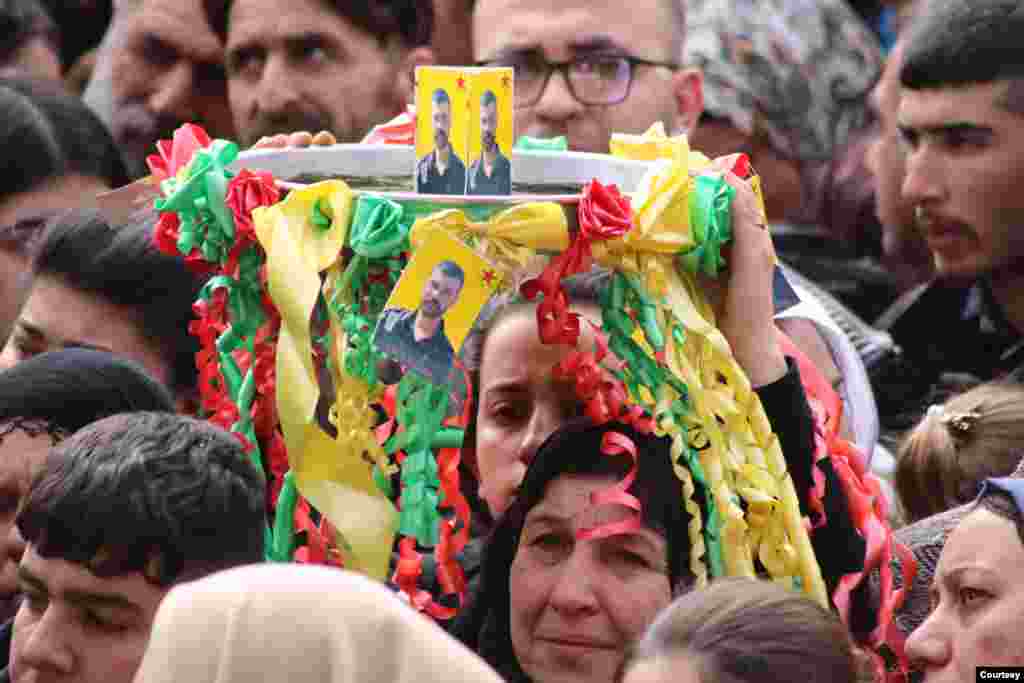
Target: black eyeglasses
{"type": "Point", "coordinates": [592, 79]}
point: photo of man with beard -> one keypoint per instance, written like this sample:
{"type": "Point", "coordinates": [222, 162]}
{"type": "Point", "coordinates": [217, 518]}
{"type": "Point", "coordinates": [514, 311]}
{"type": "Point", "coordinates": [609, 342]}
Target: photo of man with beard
{"type": "Point", "coordinates": [416, 339]}
{"type": "Point", "coordinates": [491, 173]}
{"type": "Point", "coordinates": [441, 171]}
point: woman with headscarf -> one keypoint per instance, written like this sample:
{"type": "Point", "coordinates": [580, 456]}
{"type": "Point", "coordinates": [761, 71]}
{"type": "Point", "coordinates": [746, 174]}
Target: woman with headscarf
{"type": "Point", "coordinates": [299, 623]}
{"type": "Point", "coordinates": [596, 542]}
{"type": "Point", "coordinates": [976, 618]}
{"type": "Point", "coordinates": [558, 601]}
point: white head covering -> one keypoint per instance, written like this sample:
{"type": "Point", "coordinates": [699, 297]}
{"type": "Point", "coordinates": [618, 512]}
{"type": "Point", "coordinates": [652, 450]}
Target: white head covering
{"type": "Point", "coordinates": [289, 623]}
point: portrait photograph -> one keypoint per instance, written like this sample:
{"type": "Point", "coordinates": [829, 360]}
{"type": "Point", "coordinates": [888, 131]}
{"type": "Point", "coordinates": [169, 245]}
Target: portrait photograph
{"type": "Point", "coordinates": [433, 307]}
{"type": "Point", "coordinates": [442, 128]}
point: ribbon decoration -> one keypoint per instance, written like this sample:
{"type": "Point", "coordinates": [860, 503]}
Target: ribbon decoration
{"type": "Point", "coordinates": [678, 376]}
{"type": "Point", "coordinates": [868, 509]}
{"type": "Point", "coordinates": [741, 460]}
{"type": "Point", "coordinates": [175, 154]}
{"type": "Point", "coordinates": [339, 484]}
{"type": "Point", "coordinates": [197, 195]}
{"type": "Point", "coordinates": [653, 145]}
{"type": "Point", "coordinates": [400, 130]}
{"type": "Point", "coordinates": [508, 239]}
{"type": "Point", "coordinates": [526, 143]}
{"type": "Point", "coordinates": [421, 410]}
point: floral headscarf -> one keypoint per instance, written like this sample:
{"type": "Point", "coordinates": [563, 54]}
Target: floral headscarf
{"type": "Point", "coordinates": [797, 72]}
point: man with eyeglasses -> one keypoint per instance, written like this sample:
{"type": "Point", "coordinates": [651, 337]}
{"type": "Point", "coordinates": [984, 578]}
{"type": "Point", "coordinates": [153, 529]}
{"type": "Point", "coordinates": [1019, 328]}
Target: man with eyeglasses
{"type": "Point", "coordinates": [586, 69]}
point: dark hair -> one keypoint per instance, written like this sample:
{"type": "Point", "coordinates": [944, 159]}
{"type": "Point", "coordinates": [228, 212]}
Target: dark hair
{"type": "Point", "coordinates": [741, 630]}
{"type": "Point", "coordinates": [488, 98]}
{"type": "Point", "coordinates": [411, 21]}
{"type": "Point", "coordinates": [46, 133]}
{"type": "Point", "coordinates": [162, 494]}
{"type": "Point", "coordinates": [20, 22]}
{"type": "Point", "coordinates": [72, 388]}
{"type": "Point", "coordinates": [574, 449]}
{"type": "Point", "coordinates": [965, 42]}
{"type": "Point", "coordinates": [122, 265]}
{"type": "Point", "coordinates": [440, 96]}
{"type": "Point", "coordinates": [453, 270]}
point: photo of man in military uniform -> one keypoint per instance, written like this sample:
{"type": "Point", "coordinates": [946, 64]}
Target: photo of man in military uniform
{"type": "Point", "coordinates": [441, 171]}
{"type": "Point", "coordinates": [416, 338]}
{"type": "Point", "coordinates": [491, 173]}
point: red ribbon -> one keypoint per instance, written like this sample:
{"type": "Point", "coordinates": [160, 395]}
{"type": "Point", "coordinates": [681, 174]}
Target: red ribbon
{"type": "Point", "coordinates": [604, 214]}
{"type": "Point", "coordinates": [867, 503]}
{"type": "Point", "coordinates": [173, 155]}
{"type": "Point", "coordinates": [613, 444]}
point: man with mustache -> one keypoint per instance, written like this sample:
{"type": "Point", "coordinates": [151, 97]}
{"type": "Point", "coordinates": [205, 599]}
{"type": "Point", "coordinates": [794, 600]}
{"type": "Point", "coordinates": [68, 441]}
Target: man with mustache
{"type": "Point", "coordinates": [961, 119]}
{"type": "Point", "coordinates": [164, 66]}
{"type": "Point", "coordinates": [310, 65]}
{"type": "Point", "coordinates": [441, 171]}
{"type": "Point", "coordinates": [491, 173]}
{"type": "Point", "coordinates": [416, 339]}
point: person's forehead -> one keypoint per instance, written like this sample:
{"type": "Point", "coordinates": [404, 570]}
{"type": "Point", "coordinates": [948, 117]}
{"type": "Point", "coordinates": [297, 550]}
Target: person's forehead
{"type": "Point", "coordinates": [977, 104]}
{"type": "Point", "coordinates": [60, 577]}
{"type": "Point", "coordinates": [567, 500]}
{"type": "Point", "coordinates": [180, 23]}
{"type": "Point", "coordinates": [557, 27]}
{"type": "Point", "coordinates": [65, 316]}
{"type": "Point", "coordinates": [985, 541]}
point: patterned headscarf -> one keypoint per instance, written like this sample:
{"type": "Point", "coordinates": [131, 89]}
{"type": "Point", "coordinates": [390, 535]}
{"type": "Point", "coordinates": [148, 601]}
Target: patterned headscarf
{"type": "Point", "coordinates": [794, 72]}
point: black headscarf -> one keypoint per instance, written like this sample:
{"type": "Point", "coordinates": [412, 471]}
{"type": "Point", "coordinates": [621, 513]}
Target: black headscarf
{"type": "Point", "coordinates": [573, 449]}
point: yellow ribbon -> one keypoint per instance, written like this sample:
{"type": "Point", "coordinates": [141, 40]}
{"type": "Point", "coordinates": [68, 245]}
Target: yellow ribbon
{"type": "Point", "coordinates": [331, 473]}
{"type": "Point", "coordinates": [509, 238]}
{"type": "Point", "coordinates": [743, 460]}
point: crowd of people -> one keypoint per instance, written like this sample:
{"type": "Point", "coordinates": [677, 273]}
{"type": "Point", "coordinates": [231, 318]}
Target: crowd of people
{"type": "Point", "coordinates": [133, 532]}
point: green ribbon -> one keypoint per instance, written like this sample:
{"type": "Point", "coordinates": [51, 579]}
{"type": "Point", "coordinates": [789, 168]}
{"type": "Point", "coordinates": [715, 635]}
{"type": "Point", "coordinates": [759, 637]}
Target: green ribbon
{"type": "Point", "coordinates": [711, 224]}
{"type": "Point", "coordinates": [321, 216]}
{"type": "Point", "coordinates": [627, 292]}
{"type": "Point", "coordinates": [421, 407]}
{"type": "Point", "coordinates": [198, 198]}
{"type": "Point", "coordinates": [641, 370]}
{"type": "Point", "coordinates": [531, 144]}
{"type": "Point", "coordinates": [377, 236]}
{"type": "Point", "coordinates": [283, 545]}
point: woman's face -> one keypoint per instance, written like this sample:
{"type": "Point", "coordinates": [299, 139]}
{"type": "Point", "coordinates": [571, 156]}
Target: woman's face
{"type": "Point", "coordinates": [520, 405]}
{"type": "Point", "coordinates": [20, 456]}
{"type": "Point", "coordinates": [977, 599]}
{"type": "Point", "coordinates": [575, 605]}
